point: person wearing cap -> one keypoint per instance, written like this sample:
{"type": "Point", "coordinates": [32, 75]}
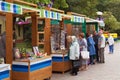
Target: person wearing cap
{"type": "Point", "coordinates": [101, 46]}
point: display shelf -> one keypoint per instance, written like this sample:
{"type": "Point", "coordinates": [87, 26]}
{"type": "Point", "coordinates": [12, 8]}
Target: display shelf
{"type": "Point", "coordinates": [41, 32]}
{"type": "Point", "coordinates": [41, 43]}
{"type": "Point", "coordinates": [38, 69]}
{"type": "Point", "coordinates": [5, 71]}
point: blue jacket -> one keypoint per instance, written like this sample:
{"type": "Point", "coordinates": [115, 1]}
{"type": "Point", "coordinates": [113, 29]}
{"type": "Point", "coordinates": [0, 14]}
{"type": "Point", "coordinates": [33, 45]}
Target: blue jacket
{"type": "Point", "coordinates": [91, 44]}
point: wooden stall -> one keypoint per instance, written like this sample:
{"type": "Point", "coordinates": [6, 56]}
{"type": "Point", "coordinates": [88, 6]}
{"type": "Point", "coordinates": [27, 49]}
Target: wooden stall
{"type": "Point", "coordinates": [59, 52]}
{"type": "Point", "coordinates": [91, 25]}
{"type": "Point", "coordinates": [77, 24]}
{"type": "Point", "coordinates": [5, 71]}
{"type": "Point", "coordinates": [32, 69]}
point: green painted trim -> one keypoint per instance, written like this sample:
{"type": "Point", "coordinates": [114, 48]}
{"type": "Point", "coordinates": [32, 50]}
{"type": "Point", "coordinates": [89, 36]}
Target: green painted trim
{"type": "Point", "coordinates": [96, 27]}
{"type": "Point", "coordinates": [67, 21]}
{"type": "Point", "coordinates": [54, 22]}
{"type": "Point", "coordinates": [91, 23]}
{"type": "Point", "coordinates": [84, 27]}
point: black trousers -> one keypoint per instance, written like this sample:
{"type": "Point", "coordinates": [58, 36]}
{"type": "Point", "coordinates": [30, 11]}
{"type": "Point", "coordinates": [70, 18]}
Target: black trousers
{"type": "Point", "coordinates": [74, 69]}
{"type": "Point", "coordinates": [97, 56]}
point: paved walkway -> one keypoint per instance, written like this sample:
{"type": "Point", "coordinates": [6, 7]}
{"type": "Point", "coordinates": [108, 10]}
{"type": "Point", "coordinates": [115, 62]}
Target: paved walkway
{"type": "Point", "coordinates": [108, 71]}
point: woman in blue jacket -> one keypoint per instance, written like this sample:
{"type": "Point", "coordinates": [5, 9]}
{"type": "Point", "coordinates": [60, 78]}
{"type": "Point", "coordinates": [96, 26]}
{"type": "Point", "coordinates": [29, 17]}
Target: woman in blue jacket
{"type": "Point", "coordinates": [91, 48]}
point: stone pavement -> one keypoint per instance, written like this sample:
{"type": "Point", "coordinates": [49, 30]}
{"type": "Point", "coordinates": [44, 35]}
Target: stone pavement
{"type": "Point", "coordinates": [110, 70]}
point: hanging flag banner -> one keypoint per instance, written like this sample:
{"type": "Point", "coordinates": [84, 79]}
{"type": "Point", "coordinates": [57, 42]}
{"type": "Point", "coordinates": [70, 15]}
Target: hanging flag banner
{"type": "Point", "coordinates": [82, 19]}
{"type": "Point", "coordinates": [42, 13]}
{"type": "Point", "coordinates": [59, 16]}
{"type": "Point", "coordinates": [16, 9]}
{"type": "Point", "coordinates": [9, 7]}
{"type": "Point", "coordinates": [50, 14]}
{"type": "Point", "coordinates": [47, 14]}
{"type": "Point", "coordinates": [5, 7]}
{"type": "Point", "coordinates": [77, 19]}
{"type": "Point", "coordinates": [53, 15]}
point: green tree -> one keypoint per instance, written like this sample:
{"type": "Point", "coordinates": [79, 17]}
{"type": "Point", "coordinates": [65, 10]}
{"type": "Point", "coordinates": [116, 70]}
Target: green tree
{"type": "Point", "coordinates": [56, 3]}
{"type": "Point", "coordinates": [37, 1]}
{"type": "Point", "coordinates": [87, 7]}
{"type": "Point", "coordinates": [114, 7]}
{"type": "Point", "coordinates": [111, 23]}
{"type": "Point", "coordinates": [60, 4]}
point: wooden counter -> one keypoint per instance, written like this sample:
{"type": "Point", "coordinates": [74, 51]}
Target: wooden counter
{"type": "Point", "coordinates": [38, 69]}
{"type": "Point", "coordinates": [4, 71]}
{"type": "Point", "coordinates": [61, 63]}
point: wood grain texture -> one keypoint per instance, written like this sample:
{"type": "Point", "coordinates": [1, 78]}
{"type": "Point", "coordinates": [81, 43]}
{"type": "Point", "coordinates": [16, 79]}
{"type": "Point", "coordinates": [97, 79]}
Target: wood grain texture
{"type": "Point", "coordinates": [61, 66]}
{"type": "Point", "coordinates": [7, 79]}
{"type": "Point", "coordinates": [34, 29]}
{"type": "Point", "coordinates": [40, 74]}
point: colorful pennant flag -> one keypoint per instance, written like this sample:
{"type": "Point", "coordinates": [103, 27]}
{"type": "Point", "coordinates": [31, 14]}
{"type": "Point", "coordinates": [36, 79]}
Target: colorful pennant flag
{"type": "Point", "coordinates": [9, 7]}
{"type": "Point", "coordinates": [77, 19]}
{"type": "Point", "coordinates": [59, 17]}
{"type": "Point", "coordinates": [17, 9]}
{"type": "Point", "coordinates": [6, 7]}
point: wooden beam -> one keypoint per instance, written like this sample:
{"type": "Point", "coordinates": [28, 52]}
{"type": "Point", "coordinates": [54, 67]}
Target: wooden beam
{"type": "Point", "coordinates": [25, 3]}
{"type": "Point", "coordinates": [2, 13]}
{"type": "Point", "coordinates": [57, 10]}
{"type": "Point", "coordinates": [34, 29]}
{"type": "Point", "coordinates": [76, 14]}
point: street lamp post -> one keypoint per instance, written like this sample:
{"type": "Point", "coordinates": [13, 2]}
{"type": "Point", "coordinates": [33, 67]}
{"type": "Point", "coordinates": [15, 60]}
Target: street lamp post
{"type": "Point", "coordinates": [100, 19]}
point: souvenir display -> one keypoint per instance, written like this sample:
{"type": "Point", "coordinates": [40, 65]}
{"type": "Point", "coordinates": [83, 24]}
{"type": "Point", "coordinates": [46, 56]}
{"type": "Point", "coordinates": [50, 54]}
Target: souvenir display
{"type": "Point", "coordinates": [60, 60]}
{"type": "Point", "coordinates": [1, 60]}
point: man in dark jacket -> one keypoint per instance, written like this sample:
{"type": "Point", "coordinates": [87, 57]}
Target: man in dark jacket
{"type": "Point", "coordinates": [95, 38]}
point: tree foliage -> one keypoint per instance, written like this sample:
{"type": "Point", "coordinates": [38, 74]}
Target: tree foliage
{"type": "Point", "coordinates": [86, 7]}
{"type": "Point", "coordinates": [37, 1]}
{"type": "Point", "coordinates": [60, 4]}
{"type": "Point", "coordinates": [110, 21]}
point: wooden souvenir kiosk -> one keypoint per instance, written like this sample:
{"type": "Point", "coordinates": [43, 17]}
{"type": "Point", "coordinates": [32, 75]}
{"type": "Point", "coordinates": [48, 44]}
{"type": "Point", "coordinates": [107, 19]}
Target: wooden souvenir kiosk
{"type": "Point", "coordinates": [91, 25]}
{"type": "Point", "coordinates": [36, 69]}
{"type": "Point", "coordinates": [77, 24]}
{"type": "Point", "coordinates": [23, 69]}
{"type": "Point", "coordinates": [60, 60]}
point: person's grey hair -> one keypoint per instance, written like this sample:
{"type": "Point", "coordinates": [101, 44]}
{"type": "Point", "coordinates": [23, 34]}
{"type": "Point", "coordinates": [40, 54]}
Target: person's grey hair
{"type": "Point", "coordinates": [73, 38]}
{"type": "Point", "coordinates": [68, 37]}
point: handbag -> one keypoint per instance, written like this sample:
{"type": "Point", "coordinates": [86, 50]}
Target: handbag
{"type": "Point", "coordinates": [76, 63]}
{"type": "Point", "coordinates": [85, 55]}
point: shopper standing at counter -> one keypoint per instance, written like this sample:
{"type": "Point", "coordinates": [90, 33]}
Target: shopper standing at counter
{"type": "Point", "coordinates": [74, 54]}
{"type": "Point", "coordinates": [3, 46]}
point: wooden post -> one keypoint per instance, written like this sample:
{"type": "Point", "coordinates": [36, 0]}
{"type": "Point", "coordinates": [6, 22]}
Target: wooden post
{"type": "Point", "coordinates": [9, 36]}
{"type": "Point", "coordinates": [69, 26]}
{"type": "Point", "coordinates": [47, 30]}
{"type": "Point", "coordinates": [34, 29]}
{"type": "Point", "coordinates": [47, 35]}
{"type": "Point", "coordinates": [69, 29]}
